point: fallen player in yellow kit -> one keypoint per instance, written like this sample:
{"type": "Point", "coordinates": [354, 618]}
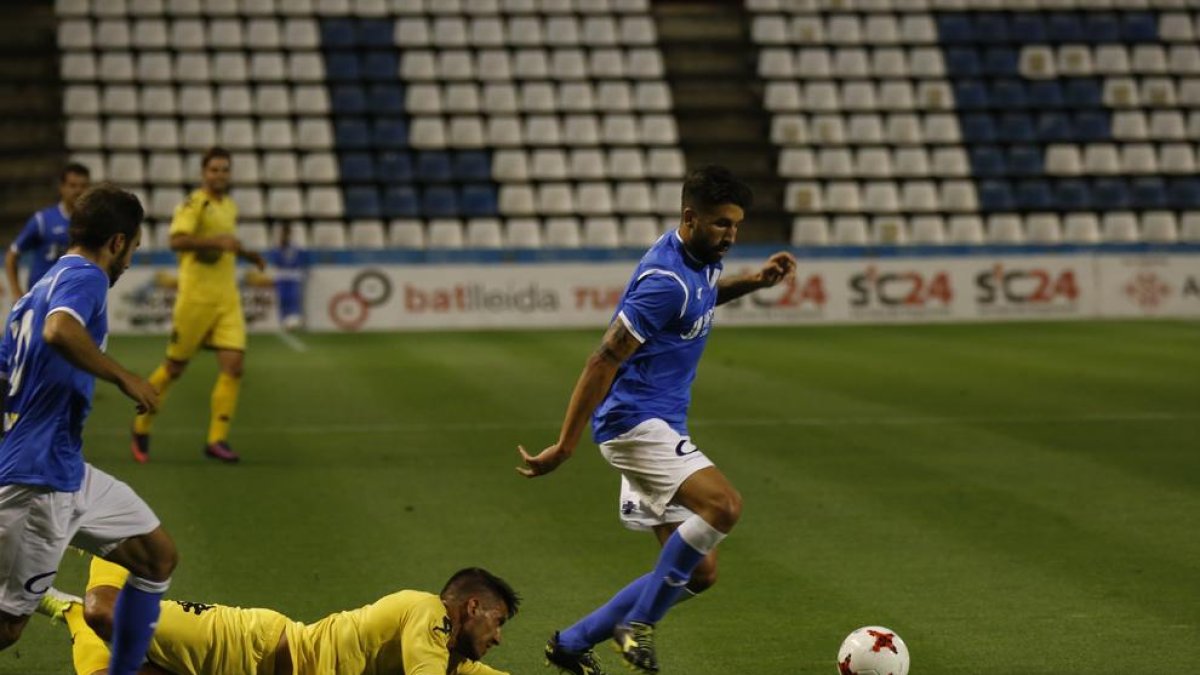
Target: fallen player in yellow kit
{"type": "Point", "coordinates": [405, 633]}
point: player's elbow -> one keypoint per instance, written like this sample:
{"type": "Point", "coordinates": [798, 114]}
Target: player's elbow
{"type": "Point", "coordinates": [179, 242]}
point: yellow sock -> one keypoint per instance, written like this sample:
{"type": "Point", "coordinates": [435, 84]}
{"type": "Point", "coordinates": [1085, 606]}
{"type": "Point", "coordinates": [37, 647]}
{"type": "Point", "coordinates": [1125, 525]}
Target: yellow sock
{"type": "Point", "coordinates": [88, 651]}
{"type": "Point", "coordinates": [224, 402]}
{"type": "Point", "coordinates": [161, 381]}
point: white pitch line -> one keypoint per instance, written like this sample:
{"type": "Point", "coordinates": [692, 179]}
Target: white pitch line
{"type": "Point", "coordinates": [709, 423]}
{"type": "Point", "coordinates": [291, 340]}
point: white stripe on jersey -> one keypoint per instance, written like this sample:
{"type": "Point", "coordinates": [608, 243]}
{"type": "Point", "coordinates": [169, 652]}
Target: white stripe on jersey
{"type": "Point", "coordinates": [686, 294]}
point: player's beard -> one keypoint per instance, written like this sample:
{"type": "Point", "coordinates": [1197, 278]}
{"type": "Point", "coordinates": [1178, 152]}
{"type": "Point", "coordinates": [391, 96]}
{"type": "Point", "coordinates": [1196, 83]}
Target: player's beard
{"type": "Point", "coordinates": [118, 266]}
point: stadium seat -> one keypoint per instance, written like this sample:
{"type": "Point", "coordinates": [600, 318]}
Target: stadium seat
{"type": "Point", "coordinates": [927, 230]}
{"type": "Point", "coordinates": [406, 234]}
{"type": "Point", "coordinates": [1120, 227]}
{"type": "Point", "coordinates": [594, 199]}
{"type": "Point", "coordinates": [321, 168]}
{"type": "Point", "coordinates": [367, 234]}
{"type": "Point", "coordinates": [602, 232]}
{"type": "Point", "coordinates": [249, 201]}
{"type": "Point", "coordinates": [964, 229]}
{"type": "Point", "coordinates": [1005, 229]}
{"type": "Point", "coordinates": [523, 233]}
{"type": "Point", "coordinates": [328, 235]}
{"type": "Point", "coordinates": [326, 202]}
{"type": "Point", "coordinates": [810, 231]}
{"type": "Point", "coordinates": [1081, 228]}
{"type": "Point", "coordinates": [1189, 228]}
{"type": "Point", "coordinates": [850, 231]}
{"type": "Point", "coordinates": [1159, 227]}
{"type": "Point", "coordinates": [1043, 228]}
{"type": "Point", "coordinates": [562, 232]}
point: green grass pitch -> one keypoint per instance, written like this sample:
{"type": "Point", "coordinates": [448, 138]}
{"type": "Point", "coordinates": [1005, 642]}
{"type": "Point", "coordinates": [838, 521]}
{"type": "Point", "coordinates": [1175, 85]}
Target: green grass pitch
{"type": "Point", "coordinates": [1012, 499]}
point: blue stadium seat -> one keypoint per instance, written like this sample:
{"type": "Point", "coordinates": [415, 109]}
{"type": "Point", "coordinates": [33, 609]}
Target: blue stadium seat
{"type": "Point", "coordinates": [977, 128]}
{"type": "Point", "coordinates": [479, 200]}
{"type": "Point", "coordinates": [994, 196]}
{"type": "Point", "coordinates": [1139, 27]}
{"type": "Point", "coordinates": [1028, 27]}
{"type": "Point", "coordinates": [1183, 193]}
{"type": "Point", "coordinates": [390, 132]}
{"type": "Point", "coordinates": [1064, 27]}
{"type": "Point", "coordinates": [433, 167]}
{"type": "Point", "coordinates": [1093, 126]}
{"type": "Point", "coordinates": [380, 66]}
{"type": "Point", "coordinates": [987, 161]}
{"type": "Point", "coordinates": [970, 95]}
{"type": "Point", "coordinates": [1110, 194]}
{"type": "Point", "coordinates": [1101, 27]}
{"type": "Point", "coordinates": [400, 201]}
{"type": "Point", "coordinates": [472, 165]}
{"type": "Point", "coordinates": [1149, 193]}
{"type": "Point", "coordinates": [439, 201]}
{"type": "Point", "coordinates": [356, 167]}
{"type": "Point", "coordinates": [387, 99]}
{"type": "Point", "coordinates": [1001, 62]}
{"type": "Point", "coordinates": [1009, 94]}
{"type": "Point", "coordinates": [1072, 195]}
{"type": "Point", "coordinates": [963, 62]}
{"type": "Point", "coordinates": [342, 66]}
{"type": "Point", "coordinates": [1083, 93]}
{"type": "Point", "coordinates": [338, 34]}
{"type": "Point", "coordinates": [1025, 160]}
{"type": "Point", "coordinates": [362, 201]}
{"type": "Point", "coordinates": [1045, 94]}
{"type": "Point", "coordinates": [1053, 127]}
{"type": "Point", "coordinates": [348, 99]}
{"type": "Point", "coordinates": [1015, 128]}
{"type": "Point", "coordinates": [955, 29]}
{"type": "Point", "coordinates": [991, 27]}
{"type": "Point", "coordinates": [394, 167]}
{"type": "Point", "coordinates": [375, 33]}
{"type": "Point", "coordinates": [351, 133]}
{"type": "Point", "coordinates": [1034, 195]}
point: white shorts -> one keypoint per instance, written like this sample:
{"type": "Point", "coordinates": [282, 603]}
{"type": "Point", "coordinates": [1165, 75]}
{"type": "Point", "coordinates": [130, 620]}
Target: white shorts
{"type": "Point", "coordinates": [654, 460]}
{"type": "Point", "coordinates": [37, 523]}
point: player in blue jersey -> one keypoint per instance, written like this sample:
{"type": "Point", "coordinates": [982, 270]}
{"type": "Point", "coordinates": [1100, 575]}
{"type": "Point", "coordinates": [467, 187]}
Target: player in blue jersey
{"type": "Point", "coordinates": [45, 233]}
{"type": "Point", "coordinates": [636, 389]}
{"type": "Point", "coordinates": [53, 350]}
{"type": "Point", "coordinates": [289, 265]}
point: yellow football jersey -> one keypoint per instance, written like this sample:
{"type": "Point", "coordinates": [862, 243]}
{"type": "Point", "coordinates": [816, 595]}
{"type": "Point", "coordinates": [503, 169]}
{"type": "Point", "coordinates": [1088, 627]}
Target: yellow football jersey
{"type": "Point", "coordinates": [206, 276]}
{"type": "Point", "coordinates": [404, 633]}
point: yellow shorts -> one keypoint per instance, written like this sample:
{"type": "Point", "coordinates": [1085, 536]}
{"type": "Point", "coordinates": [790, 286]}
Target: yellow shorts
{"type": "Point", "coordinates": [199, 639]}
{"type": "Point", "coordinates": [219, 325]}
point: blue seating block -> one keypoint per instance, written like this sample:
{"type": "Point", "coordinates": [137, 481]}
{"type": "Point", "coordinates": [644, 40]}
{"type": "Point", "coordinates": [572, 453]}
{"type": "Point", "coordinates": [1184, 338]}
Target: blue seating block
{"type": "Point", "coordinates": [1028, 27]}
{"type": "Point", "coordinates": [356, 167]}
{"type": "Point", "coordinates": [347, 99]}
{"type": "Point", "coordinates": [1054, 127]}
{"type": "Point", "coordinates": [433, 167]}
{"type": "Point", "coordinates": [1009, 94]}
{"type": "Point", "coordinates": [472, 165]}
{"type": "Point", "coordinates": [394, 167]}
{"type": "Point", "coordinates": [1072, 195]}
{"type": "Point", "coordinates": [1025, 160]}
{"type": "Point", "coordinates": [1110, 194]}
{"type": "Point", "coordinates": [991, 27]}
{"type": "Point", "coordinates": [995, 196]}
{"type": "Point", "coordinates": [479, 201]}
{"type": "Point", "coordinates": [1064, 27]}
{"type": "Point", "coordinates": [977, 128]}
{"type": "Point", "coordinates": [970, 95]}
{"type": "Point", "coordinates": [342, 66]}
{"type": "Point", "coordinates": [390, 132]}
{"type": "Point", "coordinates": [362, 201]}
{"type": "Point", "coordinates": [1083, 93]}
{"type": "Point", "coordinates": [1093, 126]}
{"type": "Point", "coordinates": [1183, 193]}
{"type": "Point", "coordinates": [1015, 128]}
{"type": "Point", "coordinates": [439, 201]}
{"type": "Point", "coordinates": [380, 66]}
{"type": "Point", "coordinates": [1139, 27]}
{"type": "Point", "coordinates": [987, 161]}
{"type": "Point", "coordinates": [962, 62]}
{"type": "Point", "coordinates": [1001, 62]}
{"type": "Point", "coordinates": [1034, 195]}
{"type": "Point", "coordinates": [401, 201]}
{"type": "Point", "coordinates": [955, 29]}
{"type": "Point", "coordinates": [338, 34]}
{"type": "Point", "coordinates": [376, 33]}
{"type": "Point", "coordinates": [386, 99]}
{"type": "Point", "coordinates": [350, 133]}
{"type": "Point", "coordinates": [1045, 94]}
{"type": "Point", "coordinates": [1101, 27]}
{"type": "Point", "coordinates": [1149, 193]}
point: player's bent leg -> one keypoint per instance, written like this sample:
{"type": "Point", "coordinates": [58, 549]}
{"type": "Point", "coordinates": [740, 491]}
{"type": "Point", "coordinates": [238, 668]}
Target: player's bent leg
{"type": "Point", "coordinates": [150, 558]}
{"type": "Point", "coordinates": [710, 495]}
{"type": "Point", "coordinates": [704, 576]}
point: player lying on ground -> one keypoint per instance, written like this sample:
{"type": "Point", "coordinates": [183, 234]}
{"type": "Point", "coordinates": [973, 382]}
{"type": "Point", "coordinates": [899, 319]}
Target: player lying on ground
{"type": "Point", "coordinates": [405, 633]}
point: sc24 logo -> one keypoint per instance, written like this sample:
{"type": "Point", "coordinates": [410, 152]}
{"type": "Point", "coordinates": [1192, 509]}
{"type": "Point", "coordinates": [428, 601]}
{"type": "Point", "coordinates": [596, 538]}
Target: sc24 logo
{"type": "Point", "coordinates": [1025, 286]}
{"type": "Point", "coordinates": [795, 292]}
{"type": "Point", "coordinates": [900, 289]}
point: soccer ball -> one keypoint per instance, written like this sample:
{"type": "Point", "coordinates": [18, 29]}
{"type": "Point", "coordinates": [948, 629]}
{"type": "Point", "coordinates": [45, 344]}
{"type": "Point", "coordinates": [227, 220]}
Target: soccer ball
{"type": "Point", "coordinates": [873, 650]}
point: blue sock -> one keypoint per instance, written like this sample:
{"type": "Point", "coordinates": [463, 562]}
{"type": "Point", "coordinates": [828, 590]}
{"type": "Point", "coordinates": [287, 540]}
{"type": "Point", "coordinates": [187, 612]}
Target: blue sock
{"type": "Point", "coordinates": [133, 625]}
{"type": "Point", "coordinates": [667, 581]}
{"type": "Point", "coordinates": [598, 626]}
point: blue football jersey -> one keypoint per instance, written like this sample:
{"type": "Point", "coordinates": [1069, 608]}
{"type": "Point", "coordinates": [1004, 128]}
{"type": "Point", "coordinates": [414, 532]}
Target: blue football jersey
{"type": "Point", "coordinates": [46, 234]}
{"type": "Point", "coordinates": [48, 398]}
{"type": "Point", "coordinates": [668, 306]}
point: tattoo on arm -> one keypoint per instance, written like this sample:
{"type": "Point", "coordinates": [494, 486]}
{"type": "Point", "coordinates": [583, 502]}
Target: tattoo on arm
{"type": "Point", "coordinates": [618, 344]}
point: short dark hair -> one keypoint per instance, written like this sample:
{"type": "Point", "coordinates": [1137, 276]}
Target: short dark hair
{"type": "Point", "coordinates": [215, 152]}
{"type": "Point", "coordinates": [713, 185]}
{"type": "Point", "coordinates": [103, 211]}
{"type": "Point", "coordinates": [73, 169]}
{"type": "Point", "coordinates": [472, 580]}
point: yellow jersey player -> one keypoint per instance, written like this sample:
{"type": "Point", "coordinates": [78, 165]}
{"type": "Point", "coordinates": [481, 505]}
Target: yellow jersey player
{"type": "Point", "coordinates": [208, 305]}
{"type": "Point", "coordinates": [405, 633]}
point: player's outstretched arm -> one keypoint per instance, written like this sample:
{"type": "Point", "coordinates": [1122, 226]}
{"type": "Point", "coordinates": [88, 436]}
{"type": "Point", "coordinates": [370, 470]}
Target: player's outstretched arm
{"type": "Point", "coordinates": [11, 259]}
{"type": "Point", "coordinates": [618, 345]}
{"type": "Point", "coordinates": [191, 242]}
{"type": "Point", "coordinates": [778, 267]}
{"type": "Point", "coordinates": [254, 258]}
{"type": "Point", "coordinates": [65, 334]}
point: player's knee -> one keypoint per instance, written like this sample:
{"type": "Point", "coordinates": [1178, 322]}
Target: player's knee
{"type": "Point", "coordinates": [726, 508]}
{"type": "Point", "coordinates": [233, 370]}
{"type": "Point", "coordinates": [163, 564]}
{"type": "Point", "coordinates": [10, 632]}
{"type": "Point", "coordinates": [175, 369]}
{"type": "Point", "coordinates": [98, 615]}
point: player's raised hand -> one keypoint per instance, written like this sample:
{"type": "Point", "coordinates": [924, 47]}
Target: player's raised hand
{"type": "Point", "coordinates": [544, 462]}
{"type": "Point", "coordinates": [256, 258]}
{"type": "Point", "coordinates": [141, 392]}
{"type": "Point", "coordinates": [778, 267]}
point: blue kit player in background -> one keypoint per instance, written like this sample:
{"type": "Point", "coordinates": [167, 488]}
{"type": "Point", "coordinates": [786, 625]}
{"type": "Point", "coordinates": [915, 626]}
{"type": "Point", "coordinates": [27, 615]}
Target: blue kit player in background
{"type": "Point", "coordinates": [45, 233]}
{"type": "Point", "coordinates": [636, 389]}
{"type": "Point", "coordinates": [53, 351]}
{"type": "Point", "coordinates": [289, 265]}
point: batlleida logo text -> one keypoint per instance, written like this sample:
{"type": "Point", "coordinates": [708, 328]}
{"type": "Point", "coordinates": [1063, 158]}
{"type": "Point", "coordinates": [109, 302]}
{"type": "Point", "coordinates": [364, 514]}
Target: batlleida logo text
{"type": "Point", "coordinates": [901, 289]}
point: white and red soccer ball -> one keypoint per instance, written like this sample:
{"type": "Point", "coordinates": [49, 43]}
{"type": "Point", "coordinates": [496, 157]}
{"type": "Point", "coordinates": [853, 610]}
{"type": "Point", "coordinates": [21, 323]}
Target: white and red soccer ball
{"type": "Point", "coordinates": [873, 650]}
